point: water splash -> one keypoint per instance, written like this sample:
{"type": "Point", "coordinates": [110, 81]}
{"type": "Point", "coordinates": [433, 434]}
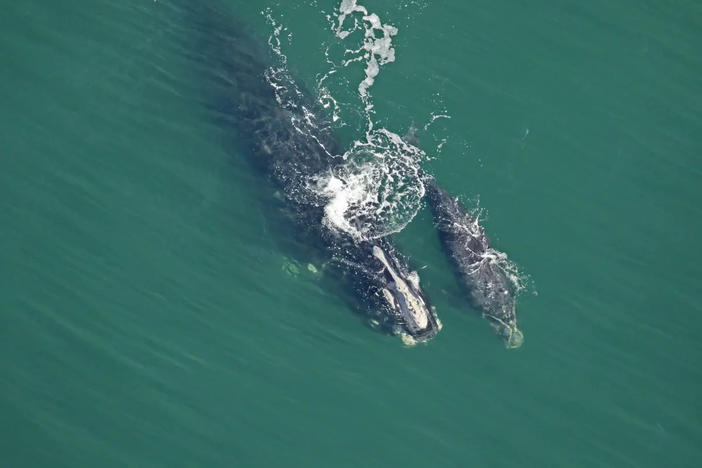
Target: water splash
{"type": "Point", "coordinates": [378, 190]}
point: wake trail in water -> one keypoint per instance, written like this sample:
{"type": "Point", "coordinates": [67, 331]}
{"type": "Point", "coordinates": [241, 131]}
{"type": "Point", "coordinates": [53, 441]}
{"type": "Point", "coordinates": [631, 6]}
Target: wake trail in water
{"type": "Point", "coordinates": [377, 188]}
{"type": "Point", "coordinates": [374, 51]}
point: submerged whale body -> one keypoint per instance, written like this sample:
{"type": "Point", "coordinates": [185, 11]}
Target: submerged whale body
{"type": "Point", "coordinates": [478, 266]}
{"type": "Point", "coordinates": [295, 148]}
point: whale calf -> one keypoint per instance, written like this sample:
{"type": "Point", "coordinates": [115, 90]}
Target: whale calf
{"type": "Point", "coordinates": [491, 290]}
{"type": "Point", "coordinates": [285, 136]}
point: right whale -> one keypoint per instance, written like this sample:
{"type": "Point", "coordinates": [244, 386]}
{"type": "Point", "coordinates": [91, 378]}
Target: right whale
{"type": "Point", "coordinates": [488, 284]}
{"type": "Point", "coordinates": [287, 137]}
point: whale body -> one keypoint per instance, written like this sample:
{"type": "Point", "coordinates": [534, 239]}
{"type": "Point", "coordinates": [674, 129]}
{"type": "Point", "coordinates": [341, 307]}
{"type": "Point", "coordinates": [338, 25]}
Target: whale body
{"type": "Point", "coordinates": [285, 137]}
{"type": "Point", "coordinates": [477, 264]}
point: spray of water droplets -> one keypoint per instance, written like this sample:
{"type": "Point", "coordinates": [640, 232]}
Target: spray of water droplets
{"type": "Point", "coordinates": [377, 191]}
{"type": "Point", "coordinates": [377, 188]}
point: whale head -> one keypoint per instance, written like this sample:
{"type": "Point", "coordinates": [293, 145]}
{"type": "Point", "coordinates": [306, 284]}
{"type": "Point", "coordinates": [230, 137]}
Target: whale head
{"type": "Point", "coordinates": [507, 329]}
{"type": "Point", "coordinates": [502, 315]}
{"type": "Point", "coordinates": [412, 314]}
{"type": "Point", "coordinates": [495, 295]}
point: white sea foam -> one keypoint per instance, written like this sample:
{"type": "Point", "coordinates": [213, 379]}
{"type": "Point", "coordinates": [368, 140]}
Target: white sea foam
{"type": "Point", "coordinates": [376, 48]}
{"type": "Point", "coordinates": [377, 190]}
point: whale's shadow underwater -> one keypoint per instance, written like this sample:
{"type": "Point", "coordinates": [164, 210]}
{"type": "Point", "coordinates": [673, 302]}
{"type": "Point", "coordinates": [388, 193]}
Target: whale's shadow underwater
{"type": "Point", "coordinates": [289, 143]}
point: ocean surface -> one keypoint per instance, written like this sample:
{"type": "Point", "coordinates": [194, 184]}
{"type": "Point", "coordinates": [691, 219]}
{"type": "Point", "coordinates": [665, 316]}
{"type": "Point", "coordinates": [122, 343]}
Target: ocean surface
{"type": "Point", "coordinates": [152, 314]}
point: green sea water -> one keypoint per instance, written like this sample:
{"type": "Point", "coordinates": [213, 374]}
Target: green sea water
{"type": "Point", "coordinates": [150, 315]}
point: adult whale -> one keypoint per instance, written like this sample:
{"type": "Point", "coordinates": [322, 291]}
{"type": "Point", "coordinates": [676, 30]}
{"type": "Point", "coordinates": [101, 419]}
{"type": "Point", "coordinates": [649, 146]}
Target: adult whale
{"type": "Point", "coordinates": [477, 265]}
{"type": "Point", "coordinates": [285, 137]}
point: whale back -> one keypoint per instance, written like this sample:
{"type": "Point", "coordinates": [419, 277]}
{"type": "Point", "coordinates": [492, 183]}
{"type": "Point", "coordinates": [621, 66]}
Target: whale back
{"type": "Point", "coordinates": [278, 123]}
{"type": "Point", "coordinates": [464, 238]}
{"type": "Point", "coordinates": [481, 270]}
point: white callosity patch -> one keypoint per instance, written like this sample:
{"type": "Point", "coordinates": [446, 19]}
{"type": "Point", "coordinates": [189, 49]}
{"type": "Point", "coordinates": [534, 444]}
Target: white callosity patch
{"type": "Point", "coordinates": [415, 309]}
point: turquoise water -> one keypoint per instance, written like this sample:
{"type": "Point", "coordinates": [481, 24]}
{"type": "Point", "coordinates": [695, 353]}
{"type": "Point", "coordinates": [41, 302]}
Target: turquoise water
{"type": "Point", "coordinates": [151, 316]}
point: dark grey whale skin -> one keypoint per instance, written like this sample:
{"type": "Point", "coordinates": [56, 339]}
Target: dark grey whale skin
{"type": "Point", "coordinates": [266, 128]}
{"type": "Point", "coordinates": [489, 288]}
